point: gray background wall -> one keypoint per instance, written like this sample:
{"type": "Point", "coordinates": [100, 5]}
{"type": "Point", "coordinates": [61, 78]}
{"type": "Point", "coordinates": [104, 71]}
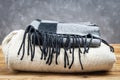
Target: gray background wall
{"type": "Point", "coordinates": [17, 14]}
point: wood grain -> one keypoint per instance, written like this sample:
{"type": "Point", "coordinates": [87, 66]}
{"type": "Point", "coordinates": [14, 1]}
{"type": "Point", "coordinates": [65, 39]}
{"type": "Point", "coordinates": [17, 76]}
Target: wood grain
{"type": "Point", "coordinates": [113, 74]}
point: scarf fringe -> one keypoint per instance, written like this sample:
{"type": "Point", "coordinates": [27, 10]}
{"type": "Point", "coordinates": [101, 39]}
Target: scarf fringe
{"type": "Point", "coordinates": [51, 43]}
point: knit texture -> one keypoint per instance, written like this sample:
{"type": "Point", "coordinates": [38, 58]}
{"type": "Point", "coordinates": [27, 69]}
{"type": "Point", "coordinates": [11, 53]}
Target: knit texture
{"type": "Point", "coordinates": [97, 59]}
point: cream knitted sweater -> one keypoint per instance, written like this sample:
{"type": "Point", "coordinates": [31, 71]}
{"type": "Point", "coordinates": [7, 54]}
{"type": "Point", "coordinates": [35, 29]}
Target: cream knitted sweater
{"type": "Point", "coordinates": [98, 58]}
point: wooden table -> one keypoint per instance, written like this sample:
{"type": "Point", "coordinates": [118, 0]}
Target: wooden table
{"type": "Point", "coordinates": [114, 74]}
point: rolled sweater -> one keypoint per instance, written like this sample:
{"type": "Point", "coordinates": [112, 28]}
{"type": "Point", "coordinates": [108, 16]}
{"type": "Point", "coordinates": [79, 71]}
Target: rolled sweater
{"type": "Point", "coordinates": [97, 59]}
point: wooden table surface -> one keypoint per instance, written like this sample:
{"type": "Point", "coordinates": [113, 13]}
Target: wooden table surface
{"type": "Point", "coordinates": [113, 74]}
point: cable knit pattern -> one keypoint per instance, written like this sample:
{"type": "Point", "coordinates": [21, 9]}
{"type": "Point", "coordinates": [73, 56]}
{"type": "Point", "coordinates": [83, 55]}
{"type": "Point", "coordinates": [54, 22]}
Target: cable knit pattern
{"type": "Point", "coordinates": [97, 59]}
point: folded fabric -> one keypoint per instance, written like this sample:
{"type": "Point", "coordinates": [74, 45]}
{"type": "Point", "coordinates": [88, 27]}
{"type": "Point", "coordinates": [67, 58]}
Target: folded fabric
{"type": "Point", "coordinates": [97, 59]}
{"type": "Point", "coordinates": [55, 27]}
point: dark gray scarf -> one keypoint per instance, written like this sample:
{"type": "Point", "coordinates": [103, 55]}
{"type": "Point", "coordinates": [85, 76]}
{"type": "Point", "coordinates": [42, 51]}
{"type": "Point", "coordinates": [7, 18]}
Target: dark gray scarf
{"type": "Point", "coordinates": [51, 36]}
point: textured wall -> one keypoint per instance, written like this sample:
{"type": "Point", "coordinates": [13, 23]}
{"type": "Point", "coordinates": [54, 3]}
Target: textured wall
{"type": "Point", "coordinates": [17, 14]}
